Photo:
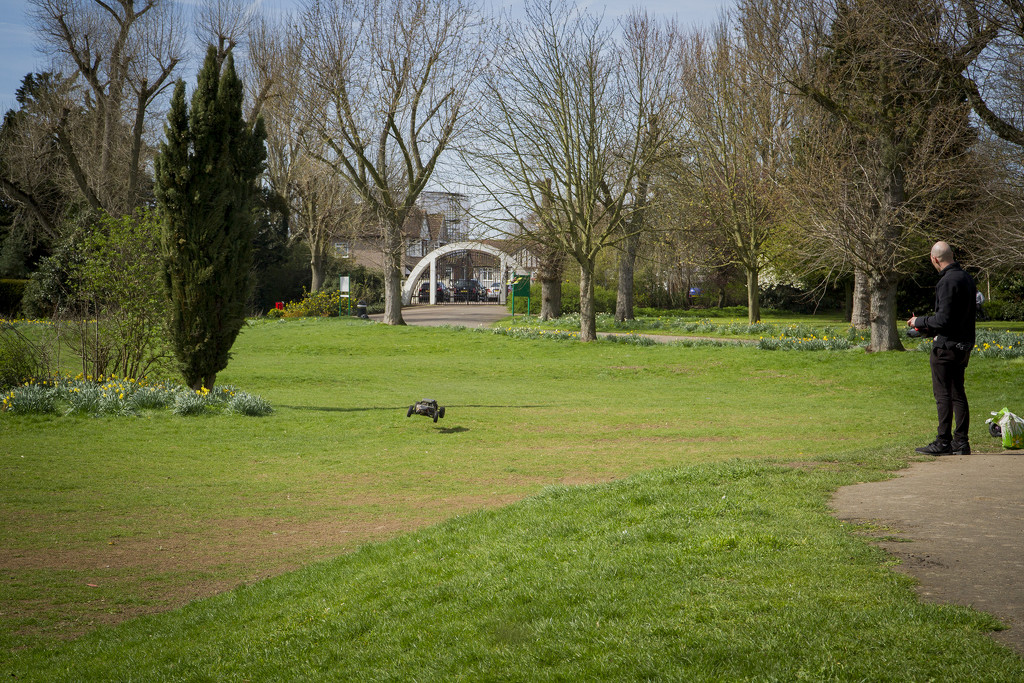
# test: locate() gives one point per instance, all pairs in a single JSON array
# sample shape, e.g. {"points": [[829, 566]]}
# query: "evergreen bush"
{"points": [[206, 174]]}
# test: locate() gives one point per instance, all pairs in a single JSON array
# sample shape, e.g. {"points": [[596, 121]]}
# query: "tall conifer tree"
{"points": [[206, 175]]}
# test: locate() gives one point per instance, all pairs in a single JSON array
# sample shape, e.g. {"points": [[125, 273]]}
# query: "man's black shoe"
{"points": [[935, 448], [960, 448]]}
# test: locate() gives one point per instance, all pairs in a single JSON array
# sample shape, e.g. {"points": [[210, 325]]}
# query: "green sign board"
{"points": [[520, 288], [521, 285]]}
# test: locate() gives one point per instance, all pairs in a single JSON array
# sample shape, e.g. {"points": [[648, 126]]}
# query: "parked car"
{"points": [[443, 293], [494, 291], [468, 290]]}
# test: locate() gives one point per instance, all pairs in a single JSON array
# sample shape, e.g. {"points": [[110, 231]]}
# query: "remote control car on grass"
{"points": [[427, 407]]}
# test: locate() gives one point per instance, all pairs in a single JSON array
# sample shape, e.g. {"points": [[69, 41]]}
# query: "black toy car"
{"points": [[428, 407]]}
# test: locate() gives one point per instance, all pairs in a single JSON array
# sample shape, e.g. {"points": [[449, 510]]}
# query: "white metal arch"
{"points": [[431, 260]]}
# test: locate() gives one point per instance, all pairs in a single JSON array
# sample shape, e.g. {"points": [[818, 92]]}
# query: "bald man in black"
{"points": [[953, 328]]}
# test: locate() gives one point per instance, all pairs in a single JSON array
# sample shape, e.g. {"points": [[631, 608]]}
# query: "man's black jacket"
{"points": [[953, 322]]}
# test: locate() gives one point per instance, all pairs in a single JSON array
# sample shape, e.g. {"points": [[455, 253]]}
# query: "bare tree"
{"points": [[977, 44], [320, 206], [225, 24], [979, 48], [995, 239], [739, 121], [125, 53], [273, 65], [895, 164], [388, 87], [650, 52], [570, 103], [159, 48]]}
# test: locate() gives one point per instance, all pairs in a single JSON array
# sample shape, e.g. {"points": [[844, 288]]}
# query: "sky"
{"points": [[18, 54]]}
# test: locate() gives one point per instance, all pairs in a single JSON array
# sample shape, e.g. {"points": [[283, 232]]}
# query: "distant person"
{"points": [[953, 329], [978, 301]]}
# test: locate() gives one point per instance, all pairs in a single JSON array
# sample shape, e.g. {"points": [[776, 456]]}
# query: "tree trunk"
{"points": [[133, 167], [860, 316], [848, 300], [394, 244], [627, 266], [753, 297], [316, 267], [884, 336], [588, 320], [552, 264], [550, 299]]}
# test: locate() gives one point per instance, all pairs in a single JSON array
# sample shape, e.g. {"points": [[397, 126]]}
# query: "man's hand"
{"points": [[912, 322]]}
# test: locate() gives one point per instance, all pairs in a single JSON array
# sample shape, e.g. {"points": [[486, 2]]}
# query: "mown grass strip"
{"points": [[730, 571]]}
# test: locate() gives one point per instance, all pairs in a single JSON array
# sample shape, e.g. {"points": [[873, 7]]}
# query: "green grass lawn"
{"points": [[659, 535]]}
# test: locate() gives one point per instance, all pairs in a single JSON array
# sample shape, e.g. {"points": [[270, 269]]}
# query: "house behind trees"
{"points": [[438, 219]]}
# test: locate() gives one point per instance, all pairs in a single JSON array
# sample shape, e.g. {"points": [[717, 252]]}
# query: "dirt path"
{"points": [[964, 519]]}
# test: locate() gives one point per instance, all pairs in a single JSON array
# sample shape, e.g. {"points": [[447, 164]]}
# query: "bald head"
{"points": [[942, 255]]}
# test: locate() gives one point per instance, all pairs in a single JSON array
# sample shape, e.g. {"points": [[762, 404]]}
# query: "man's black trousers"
{"points": [[948, 366]]}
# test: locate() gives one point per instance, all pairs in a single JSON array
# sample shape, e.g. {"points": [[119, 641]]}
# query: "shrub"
{"points": [[104, 290], [367, 285], [120, 281], [1004, 310], [20, 359], [325, 302], [788, 298], [11, 293], [51, 284]]}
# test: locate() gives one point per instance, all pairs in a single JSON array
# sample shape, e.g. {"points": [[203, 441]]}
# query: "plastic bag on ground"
{"points": [[1011, 426]]}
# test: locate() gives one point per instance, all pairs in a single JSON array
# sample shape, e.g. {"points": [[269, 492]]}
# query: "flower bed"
{"points": [[989, 344], [125, 396]]}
